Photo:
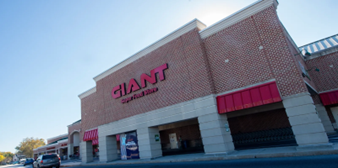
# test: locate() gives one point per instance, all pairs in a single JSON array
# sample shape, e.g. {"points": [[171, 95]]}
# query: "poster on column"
{"points": [[123, 146], [132, 146]]}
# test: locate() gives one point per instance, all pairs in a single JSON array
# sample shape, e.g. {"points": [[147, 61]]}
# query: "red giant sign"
{"points": [[120, 90], [50, 148]]}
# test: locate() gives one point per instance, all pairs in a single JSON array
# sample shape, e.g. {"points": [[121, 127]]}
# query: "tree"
{"points": [[28, 144], [2, 158], [8, 156]]}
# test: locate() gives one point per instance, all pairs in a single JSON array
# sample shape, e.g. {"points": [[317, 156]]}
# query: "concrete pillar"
{"points": [[70, 150], [306, 125], [334, 111], [148, 146], [215, 132], [108, 148], [86, 151], [322, 113]]}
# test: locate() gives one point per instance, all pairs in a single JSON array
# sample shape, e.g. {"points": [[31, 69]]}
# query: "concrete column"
{"points": [[86, 151], [215, 132], [148, 146], [322, 113], [306, 125], [108, 148], [70, 150]]}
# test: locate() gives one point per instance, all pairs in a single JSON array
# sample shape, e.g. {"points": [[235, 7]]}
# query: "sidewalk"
{"points": [[289, 151], [69, 163]]}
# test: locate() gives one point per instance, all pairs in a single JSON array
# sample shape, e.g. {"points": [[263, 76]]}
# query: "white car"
{"points": [[22, 161]]}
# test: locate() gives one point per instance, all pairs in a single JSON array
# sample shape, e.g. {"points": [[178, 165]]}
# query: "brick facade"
{"points": [[187, 78], [248, 64], [253, 50], [326, 79], [197, 68], [71, 129]]}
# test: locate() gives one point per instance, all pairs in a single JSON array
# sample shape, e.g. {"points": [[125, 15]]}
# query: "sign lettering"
{"points": [[121, 90]]}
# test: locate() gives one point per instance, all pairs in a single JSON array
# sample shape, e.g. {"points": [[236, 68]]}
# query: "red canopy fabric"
{"points": [[255, 96], [95, 142], [329, 98], [90, 135]]}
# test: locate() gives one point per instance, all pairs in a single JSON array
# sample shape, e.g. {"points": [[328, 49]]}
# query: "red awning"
{"points": [[255, 96], [90, 135], [95, 142], [329, 98]]}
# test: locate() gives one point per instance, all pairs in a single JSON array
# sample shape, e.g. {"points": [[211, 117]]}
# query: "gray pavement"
{"points": [[289, 151], [327, 161]]}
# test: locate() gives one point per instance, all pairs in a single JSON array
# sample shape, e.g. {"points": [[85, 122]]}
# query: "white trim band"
{"points": [[59, 136], [87, 93], [177, 33], [237, 17]]}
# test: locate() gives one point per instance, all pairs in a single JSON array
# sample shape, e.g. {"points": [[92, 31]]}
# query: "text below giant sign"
{"points": [[135, 96], [120, 90]]}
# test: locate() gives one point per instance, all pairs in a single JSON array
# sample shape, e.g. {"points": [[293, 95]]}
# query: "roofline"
{"points": [[320, 53], [317, 41], [204, 32], [87, 93], [51, 145], [74, 123], [59, 136], [238, 16], [175, 34]]}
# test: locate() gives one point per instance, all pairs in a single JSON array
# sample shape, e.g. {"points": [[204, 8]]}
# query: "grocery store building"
{"points": [[241, 83], [57, 144]]}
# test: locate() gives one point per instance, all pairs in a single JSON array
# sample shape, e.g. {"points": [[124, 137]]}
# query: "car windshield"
{"points": [[49, 156]]}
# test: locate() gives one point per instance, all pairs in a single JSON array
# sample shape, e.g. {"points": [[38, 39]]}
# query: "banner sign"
{"points": [[123, 138], [129, 146]]}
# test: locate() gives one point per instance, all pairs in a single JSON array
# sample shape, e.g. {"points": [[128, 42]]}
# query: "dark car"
{"points": [[28, 161], [47, 160]]}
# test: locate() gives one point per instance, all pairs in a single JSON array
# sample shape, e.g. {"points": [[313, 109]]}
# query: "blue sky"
{"points": [[51, 50]]}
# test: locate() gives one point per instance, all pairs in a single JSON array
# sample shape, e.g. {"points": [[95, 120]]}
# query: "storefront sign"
{"points": [[50, 148], [63, 144], [135, 96], [120, 90]]}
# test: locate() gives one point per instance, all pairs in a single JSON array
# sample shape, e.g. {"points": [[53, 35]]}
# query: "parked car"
{"points": [[28, 161], [22, 161], [47, 160], [16, 162]]}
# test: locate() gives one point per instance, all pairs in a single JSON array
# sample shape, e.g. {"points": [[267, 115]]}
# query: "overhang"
{"points": [[251, 97], [329, 98]]}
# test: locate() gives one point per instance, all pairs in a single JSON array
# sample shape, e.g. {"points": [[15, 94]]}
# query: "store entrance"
{"points": [[63, 153], [96, 154], [76, 152], [261, 130], [181, 138]]}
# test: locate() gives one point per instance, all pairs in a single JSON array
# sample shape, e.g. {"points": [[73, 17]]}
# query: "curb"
{"points": [[214, 158]]}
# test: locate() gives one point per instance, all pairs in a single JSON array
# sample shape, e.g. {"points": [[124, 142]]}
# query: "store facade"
{"points": [[57, 145], [241, 83], [322, 65], [74, 130]]}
